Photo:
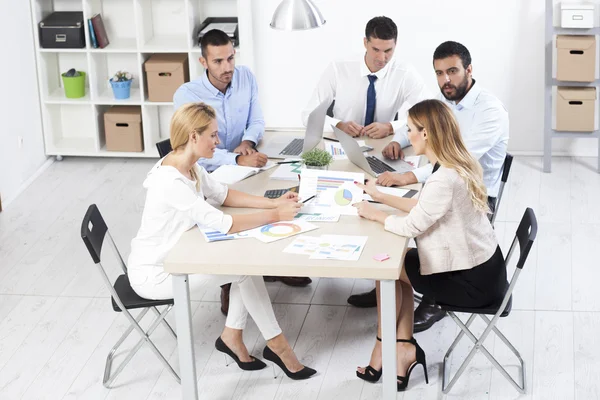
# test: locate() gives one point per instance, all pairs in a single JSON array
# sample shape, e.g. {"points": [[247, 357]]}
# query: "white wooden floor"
{"points": [[57, 325]]}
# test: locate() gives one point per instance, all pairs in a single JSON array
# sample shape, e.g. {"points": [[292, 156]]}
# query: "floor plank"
{"points": [[553, 355]]}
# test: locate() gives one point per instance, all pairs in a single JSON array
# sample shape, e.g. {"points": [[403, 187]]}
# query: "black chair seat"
{"points": [[130, 298], [490, 310]]}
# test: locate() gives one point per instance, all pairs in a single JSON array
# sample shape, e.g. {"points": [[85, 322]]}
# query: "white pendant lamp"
{"points": [[297, 15]]}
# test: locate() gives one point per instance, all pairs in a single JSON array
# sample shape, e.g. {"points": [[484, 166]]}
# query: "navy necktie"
{"points": [[370, 114]]}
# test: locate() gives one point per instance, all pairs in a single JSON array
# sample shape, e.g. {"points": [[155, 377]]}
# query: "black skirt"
{"points": [[477, 287]]}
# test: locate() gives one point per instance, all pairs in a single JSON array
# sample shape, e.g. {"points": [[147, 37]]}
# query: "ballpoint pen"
{"points": [[286, 162], [310, 198]]}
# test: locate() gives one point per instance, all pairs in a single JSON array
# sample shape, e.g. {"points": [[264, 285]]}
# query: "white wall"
{"points": [[20, 115], [505, 38]]}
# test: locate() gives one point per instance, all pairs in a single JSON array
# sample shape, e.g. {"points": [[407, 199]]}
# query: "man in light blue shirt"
{"points": [[233, 93], [483, 123], [481, 116]]}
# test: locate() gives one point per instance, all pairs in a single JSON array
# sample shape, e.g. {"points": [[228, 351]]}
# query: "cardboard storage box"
{"points": [[123, 129], [576, 58], [575, 109], [164, 74], [576, 15]]}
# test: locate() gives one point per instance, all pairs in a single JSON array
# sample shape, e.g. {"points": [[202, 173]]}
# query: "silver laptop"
{"points": [[370, 164], [282, 147]]}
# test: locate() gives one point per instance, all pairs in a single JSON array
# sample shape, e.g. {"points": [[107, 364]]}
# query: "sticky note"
{"points": [[381, 257]]}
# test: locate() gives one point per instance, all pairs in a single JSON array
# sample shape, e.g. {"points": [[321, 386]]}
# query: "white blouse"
{"points": [[173, 206]]}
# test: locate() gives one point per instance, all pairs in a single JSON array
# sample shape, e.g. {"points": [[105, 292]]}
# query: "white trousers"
{"points": [[248, 295]]}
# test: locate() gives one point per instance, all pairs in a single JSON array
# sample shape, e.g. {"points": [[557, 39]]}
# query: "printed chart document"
{"points": [[336, 150], [329, 247], [317, 217], [279, 230], [334, 191], [211, 235], [230, 174]]}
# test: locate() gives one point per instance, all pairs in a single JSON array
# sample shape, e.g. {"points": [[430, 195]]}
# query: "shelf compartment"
{"points": [[40, 9], [104, 66], [156, 120], [200, 10], [162, 26], [52, 65], [71, 129], [119, 22]]}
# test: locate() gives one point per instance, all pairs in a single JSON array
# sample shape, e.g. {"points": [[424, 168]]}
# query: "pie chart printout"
{"points": [[280, 230], [343, 197]]}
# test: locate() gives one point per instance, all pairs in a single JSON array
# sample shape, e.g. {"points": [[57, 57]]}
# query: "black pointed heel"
{"points": [[403, 380], [304, 373], [371, 374], [246, 366]]}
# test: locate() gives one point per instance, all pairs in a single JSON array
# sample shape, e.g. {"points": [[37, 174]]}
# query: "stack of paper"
{"points": [[329, 247], [230, 174]]}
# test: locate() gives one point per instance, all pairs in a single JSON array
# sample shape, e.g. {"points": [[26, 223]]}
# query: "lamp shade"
{"points": [[296, 15]]}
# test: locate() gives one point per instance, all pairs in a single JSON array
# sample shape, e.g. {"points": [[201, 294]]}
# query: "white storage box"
{"points": [[576, 15]]}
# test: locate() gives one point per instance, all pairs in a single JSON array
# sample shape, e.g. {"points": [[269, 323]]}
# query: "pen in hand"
{"points": [[310, 198]]}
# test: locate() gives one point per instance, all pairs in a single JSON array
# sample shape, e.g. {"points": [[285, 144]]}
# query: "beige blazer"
{"points": [[452, 234]]}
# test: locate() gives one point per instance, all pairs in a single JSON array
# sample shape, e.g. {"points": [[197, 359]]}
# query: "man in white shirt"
{"points": [[370, 90], [483, 123]]}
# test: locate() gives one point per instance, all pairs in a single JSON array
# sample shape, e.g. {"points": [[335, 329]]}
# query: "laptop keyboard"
{"points": [[294, 148], [378, 166]]}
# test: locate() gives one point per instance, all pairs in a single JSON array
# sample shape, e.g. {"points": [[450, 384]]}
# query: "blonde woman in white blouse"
{"points": [[458, 260], [178, 190]]}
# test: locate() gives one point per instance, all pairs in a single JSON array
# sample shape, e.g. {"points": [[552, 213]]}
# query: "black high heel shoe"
{"points": [[403, 380], [371, 374], [246, 366], [304, 373]]}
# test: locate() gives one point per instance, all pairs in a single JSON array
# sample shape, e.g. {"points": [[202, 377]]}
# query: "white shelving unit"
{"points": [[136, 29], [551, 83]]}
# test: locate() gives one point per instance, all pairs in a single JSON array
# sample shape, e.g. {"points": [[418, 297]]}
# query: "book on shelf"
{"points": [[92, 34], [100, 31]]}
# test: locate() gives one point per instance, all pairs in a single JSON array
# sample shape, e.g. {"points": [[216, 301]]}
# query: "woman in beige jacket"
{"points": [[458, 260]]}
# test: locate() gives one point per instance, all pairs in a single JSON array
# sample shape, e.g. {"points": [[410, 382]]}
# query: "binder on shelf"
{"points": [[100, 31], [229, 25]]}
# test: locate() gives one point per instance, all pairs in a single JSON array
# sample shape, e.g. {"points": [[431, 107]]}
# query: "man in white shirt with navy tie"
{"points": [[369, 90], [483, 122]]}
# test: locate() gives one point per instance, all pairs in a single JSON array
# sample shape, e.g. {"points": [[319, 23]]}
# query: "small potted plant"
{"points": [[121, 84], [317, 159]]}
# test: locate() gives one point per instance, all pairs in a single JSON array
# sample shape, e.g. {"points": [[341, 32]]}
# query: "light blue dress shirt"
{"points": [[483, 123], [239, 115]]}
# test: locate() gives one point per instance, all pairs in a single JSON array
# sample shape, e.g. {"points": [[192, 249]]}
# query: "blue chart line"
{"points": [[214, 236]]}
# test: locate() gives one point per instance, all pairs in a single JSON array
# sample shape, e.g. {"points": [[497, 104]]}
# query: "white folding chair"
{"points": [[525, 235]]}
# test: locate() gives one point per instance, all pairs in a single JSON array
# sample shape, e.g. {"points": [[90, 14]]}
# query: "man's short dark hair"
{"points": [[449, 49], [214, 37], [381, 28]]}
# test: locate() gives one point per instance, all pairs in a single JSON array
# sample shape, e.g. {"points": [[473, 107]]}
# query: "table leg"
{"points": [[388, 337], [185, 339]]}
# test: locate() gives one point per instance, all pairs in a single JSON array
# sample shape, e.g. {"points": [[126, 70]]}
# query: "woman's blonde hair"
{"points": [[445, 141], [191, 117]]}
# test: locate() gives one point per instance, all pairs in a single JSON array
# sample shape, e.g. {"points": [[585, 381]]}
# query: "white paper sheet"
{"points": [[230, 174]]}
